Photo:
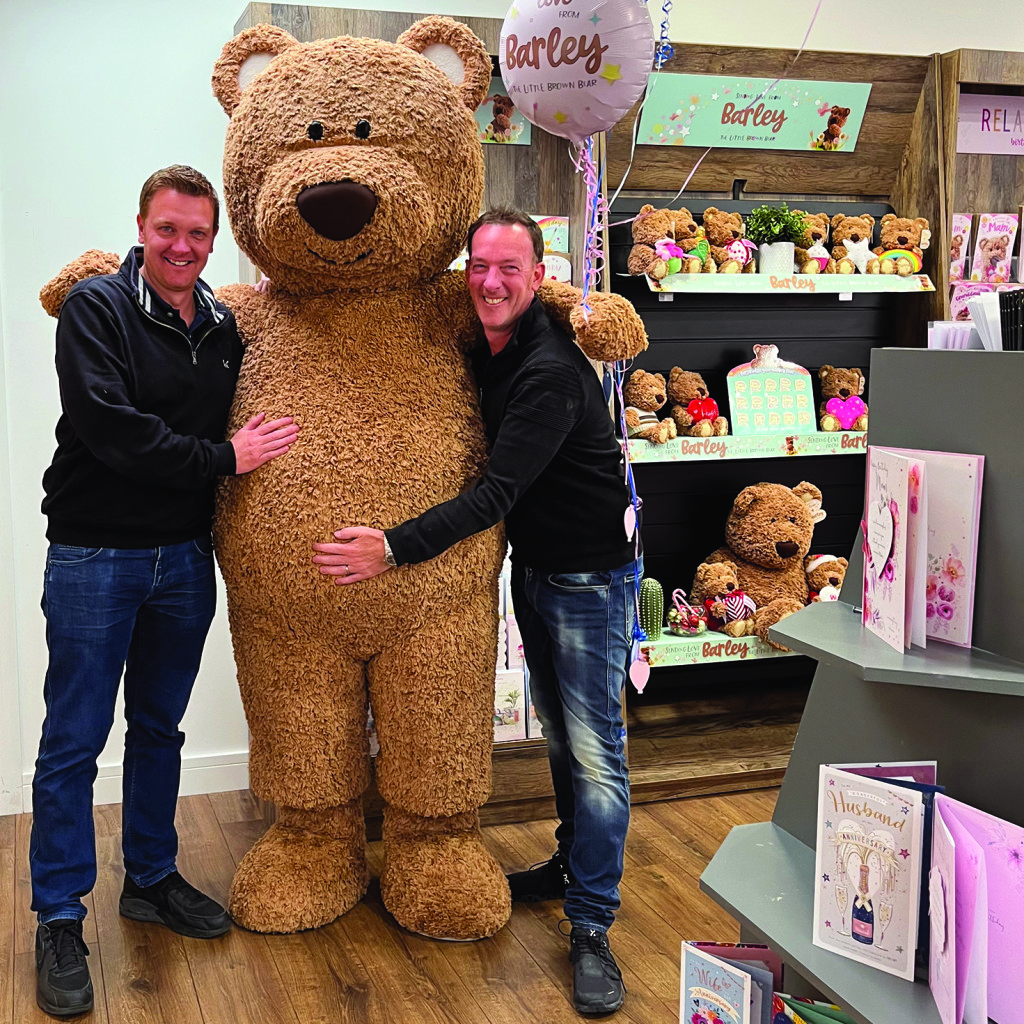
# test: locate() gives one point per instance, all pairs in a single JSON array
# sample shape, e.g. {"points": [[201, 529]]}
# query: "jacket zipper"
{"points": [[193, 348]]}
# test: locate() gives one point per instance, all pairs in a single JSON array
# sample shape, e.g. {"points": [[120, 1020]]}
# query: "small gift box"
{"points": [[683, 618]]}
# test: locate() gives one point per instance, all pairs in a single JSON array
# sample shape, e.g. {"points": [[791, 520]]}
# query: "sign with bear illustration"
{"points": [[753, 113], [769, 395], [497, 119]]}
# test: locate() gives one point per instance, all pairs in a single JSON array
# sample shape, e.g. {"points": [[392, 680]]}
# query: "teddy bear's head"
{"points": [[771, 525], [722, 228], [825, 571], [684, 386], [651, 225], [502, 106], [852, 229], [837, 382], [816, 227], [993, 249], [714, 579], [352, 164], [902, 232], [645, 391]]}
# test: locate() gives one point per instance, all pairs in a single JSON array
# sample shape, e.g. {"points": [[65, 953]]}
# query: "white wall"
{"points": [[93, 97]]}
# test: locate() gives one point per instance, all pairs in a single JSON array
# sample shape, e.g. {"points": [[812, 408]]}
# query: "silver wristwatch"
{"points": [[389, 555]]}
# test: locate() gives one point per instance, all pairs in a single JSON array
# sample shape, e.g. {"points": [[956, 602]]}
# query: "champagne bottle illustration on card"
{"points": [[863, 915]]}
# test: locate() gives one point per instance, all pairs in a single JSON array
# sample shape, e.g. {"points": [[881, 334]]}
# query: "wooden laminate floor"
{"points": [[364, 969]]}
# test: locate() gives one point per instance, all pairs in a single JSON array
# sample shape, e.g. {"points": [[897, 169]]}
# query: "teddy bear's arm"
{"points": [[90, 264]]}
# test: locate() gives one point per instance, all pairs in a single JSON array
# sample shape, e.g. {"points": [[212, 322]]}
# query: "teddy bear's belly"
{"points": [[366, 456]]}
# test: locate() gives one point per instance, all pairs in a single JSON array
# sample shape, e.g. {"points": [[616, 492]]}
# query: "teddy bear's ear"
{"points": [[844, 563], [811, 497], [711, 211], [745, 499], [887, 219], [243, 58], [825, 371], [871, 220], [456, 51], [837, 220], [860, 377]]}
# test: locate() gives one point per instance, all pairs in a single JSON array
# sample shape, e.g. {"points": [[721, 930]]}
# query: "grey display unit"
{"points": [[963, 708]]}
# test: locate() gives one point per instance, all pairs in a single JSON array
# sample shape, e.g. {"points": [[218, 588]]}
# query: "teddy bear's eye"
{"points": [[362, 128], [792, 519], [773, 519], [315, 131]]}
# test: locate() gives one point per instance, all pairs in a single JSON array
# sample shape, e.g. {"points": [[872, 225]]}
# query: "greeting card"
{"points": [[867, 870], [885, 546], [960, 245], [952, 513], [977, 894], [712, 991], [740, 953], [801, 1010], [994, 249]]}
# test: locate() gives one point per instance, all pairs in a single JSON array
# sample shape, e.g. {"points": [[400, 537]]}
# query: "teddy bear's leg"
{"points": [[309, 754], [433, 701], [770, 614], [720, 426]]}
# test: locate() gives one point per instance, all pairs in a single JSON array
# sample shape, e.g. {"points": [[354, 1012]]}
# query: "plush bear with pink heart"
{"points": [[841, 407]]}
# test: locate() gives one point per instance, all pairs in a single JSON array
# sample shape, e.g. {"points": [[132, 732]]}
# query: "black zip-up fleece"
{"points": [[555, 471], [140, 441]]}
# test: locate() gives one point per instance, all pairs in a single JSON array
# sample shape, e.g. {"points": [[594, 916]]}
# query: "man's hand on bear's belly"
{"points": [[357, 555]]}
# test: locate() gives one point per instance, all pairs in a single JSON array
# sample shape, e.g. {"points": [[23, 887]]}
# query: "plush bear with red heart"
{"points": [[695, 412]]}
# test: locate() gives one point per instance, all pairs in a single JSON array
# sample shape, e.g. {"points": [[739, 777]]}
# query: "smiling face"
{"points": [[177, 235], [503, 275]]}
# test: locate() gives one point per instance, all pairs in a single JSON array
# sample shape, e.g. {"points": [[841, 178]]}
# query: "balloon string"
{"points": [[636, 123], [596, 219]]}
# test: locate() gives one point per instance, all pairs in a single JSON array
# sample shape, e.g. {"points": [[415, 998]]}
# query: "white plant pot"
{"points": [[776, 258]]}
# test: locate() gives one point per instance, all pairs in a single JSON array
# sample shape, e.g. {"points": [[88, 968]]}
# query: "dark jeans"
{"points": [[145, 613], [577, 632]]}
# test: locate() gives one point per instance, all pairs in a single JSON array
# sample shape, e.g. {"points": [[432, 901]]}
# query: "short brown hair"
{"points": [[509, 215], [186, 180]]}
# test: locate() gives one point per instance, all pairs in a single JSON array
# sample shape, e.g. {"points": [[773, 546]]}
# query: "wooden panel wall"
{"points": [[869, 171], [537, 178]]}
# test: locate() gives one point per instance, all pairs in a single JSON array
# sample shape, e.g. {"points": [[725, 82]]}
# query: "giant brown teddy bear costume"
{"points": [[351, 174]]}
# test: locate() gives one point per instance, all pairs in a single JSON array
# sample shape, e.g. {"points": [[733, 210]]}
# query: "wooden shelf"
{"points": [[763, 876], [749, 446], [832, 633], [706, 649], [795, 284]]}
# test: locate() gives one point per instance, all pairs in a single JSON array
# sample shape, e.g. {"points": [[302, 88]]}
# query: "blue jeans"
{"points": [[144, 612], [577, 633]]}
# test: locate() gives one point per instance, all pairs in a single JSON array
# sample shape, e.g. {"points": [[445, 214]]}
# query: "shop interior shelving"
{"points": [[963, 708], [748, 446]]}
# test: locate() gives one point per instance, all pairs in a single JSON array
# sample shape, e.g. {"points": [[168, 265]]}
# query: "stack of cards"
{"points": [[1011, 319]]}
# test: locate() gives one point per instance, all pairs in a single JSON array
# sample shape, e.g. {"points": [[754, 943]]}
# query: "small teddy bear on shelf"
{"points": [[825, 575], [666, 242], [851, 244], [729, 609], [902, 243], [811, 256], [695, 412], [500, 128], [645, 394], [841, 406], [730, 250]]}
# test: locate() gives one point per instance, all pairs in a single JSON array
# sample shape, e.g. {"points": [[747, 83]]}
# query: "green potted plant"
{"points": [[775, 230]]}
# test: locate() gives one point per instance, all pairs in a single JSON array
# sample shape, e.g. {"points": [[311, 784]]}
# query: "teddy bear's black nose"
{"points": [[902, 239], [337, 210], [787, 548]]}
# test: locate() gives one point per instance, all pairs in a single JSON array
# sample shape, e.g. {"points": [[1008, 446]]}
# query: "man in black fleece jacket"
{"points": [[147, 361], [555, 475]]}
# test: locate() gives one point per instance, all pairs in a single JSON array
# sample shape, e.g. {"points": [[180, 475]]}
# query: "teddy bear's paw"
{"points": [[729, 267], [611, 330], [829, 423], [770, 615], [720, 427], [860, 423], [703, 428], [845, 266], [306, 871], [438, 878]]}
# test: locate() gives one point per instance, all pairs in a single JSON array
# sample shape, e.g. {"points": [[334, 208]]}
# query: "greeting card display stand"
{"points": [[868, 702]]}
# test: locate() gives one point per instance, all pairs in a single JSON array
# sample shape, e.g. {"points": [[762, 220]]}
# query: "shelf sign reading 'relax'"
{"points": [[752, 113], [990, 124]]}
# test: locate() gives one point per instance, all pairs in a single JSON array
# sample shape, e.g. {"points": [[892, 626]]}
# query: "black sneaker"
{"points": [[63, 986], [596, 979], [175, 903], [547, 881]]}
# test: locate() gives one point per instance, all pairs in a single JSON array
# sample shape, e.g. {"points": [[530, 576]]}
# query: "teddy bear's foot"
{"points": [[710, 266], [845, 266], [829, 423], [692, 265], [438, 878], [730, 267], [770, 614], [810, 267], [873, 267], [308, 869], [887, 267], [702, 428]]}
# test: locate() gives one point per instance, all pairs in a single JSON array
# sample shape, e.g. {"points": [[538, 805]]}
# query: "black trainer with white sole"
{"points": [[546, 881]]}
